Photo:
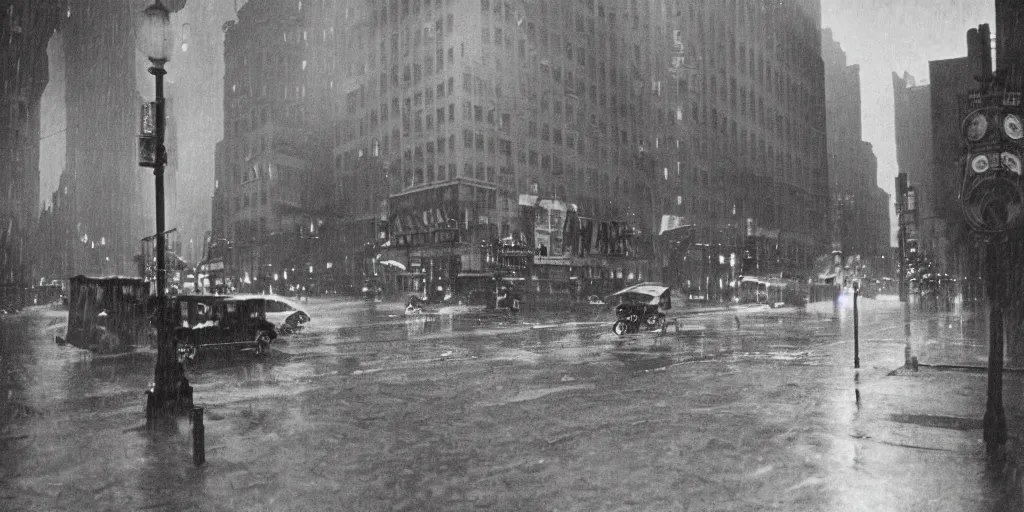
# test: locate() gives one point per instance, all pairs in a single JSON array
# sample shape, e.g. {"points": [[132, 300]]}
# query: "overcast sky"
{"points": [[884, 36]]}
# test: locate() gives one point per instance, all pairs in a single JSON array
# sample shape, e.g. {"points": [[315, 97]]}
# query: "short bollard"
{"points": [[198, 437]]}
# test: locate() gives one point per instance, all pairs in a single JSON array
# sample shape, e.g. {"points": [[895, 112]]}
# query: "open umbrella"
{"points": [[393, 263]]}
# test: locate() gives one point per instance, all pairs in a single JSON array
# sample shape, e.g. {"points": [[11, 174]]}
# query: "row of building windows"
{"points": [[555, 135], [398, 12]]}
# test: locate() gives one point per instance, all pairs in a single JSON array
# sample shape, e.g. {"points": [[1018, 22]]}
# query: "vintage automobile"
{"points": [[491, 290], [107, 314], [213, 321], [372, 291], [640, 308], [287, 316]]}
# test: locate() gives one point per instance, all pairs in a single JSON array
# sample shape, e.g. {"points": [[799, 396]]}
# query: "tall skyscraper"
{"points": [[110, 196], [759, 120], [26, 28], [853, 168], [941, 218], [913, 115], [197, 71], [476, 102], [511, 120], [266, 165]]}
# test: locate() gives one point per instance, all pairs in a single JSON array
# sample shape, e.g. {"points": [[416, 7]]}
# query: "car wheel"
{"points": [[263, 344], [619, 327]]}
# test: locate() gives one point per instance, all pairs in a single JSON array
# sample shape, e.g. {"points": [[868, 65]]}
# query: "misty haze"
{"points": [[512, 255]]}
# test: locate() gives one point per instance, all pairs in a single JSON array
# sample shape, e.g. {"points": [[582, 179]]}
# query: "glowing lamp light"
{"points": [[155, 33], [186, 34], [980, 164]]}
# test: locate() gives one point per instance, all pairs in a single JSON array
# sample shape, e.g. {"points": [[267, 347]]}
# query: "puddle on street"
{"points": [[946, 422]]}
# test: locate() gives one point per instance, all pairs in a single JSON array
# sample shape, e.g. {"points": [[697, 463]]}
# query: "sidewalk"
{"points": [[939, 407]]}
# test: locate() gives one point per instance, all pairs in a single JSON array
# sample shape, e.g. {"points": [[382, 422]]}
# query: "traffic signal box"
{"points": [[149, 143], [993, 132]]}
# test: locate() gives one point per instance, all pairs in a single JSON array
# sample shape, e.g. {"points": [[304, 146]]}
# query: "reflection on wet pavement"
{"points": [[372, 407]]}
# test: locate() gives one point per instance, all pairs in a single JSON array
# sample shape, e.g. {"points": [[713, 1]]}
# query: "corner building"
{"points": [[550, 138], [266, 166], [472, 108], [745, 124]]}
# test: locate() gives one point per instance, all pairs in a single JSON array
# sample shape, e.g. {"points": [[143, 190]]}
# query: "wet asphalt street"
{"points": [[369, 409]]}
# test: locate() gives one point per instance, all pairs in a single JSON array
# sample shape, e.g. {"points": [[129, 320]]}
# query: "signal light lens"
{"points": [[980, 164], [977, 126], [1011, 162], [993, 205], [1013, 127]]}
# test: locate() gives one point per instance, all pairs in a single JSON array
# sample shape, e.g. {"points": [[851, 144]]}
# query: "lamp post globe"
{"points": [[154, 37]]}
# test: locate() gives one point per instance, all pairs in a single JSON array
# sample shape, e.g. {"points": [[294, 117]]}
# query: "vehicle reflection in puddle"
{"points": [[423, 324], [644, 360], [648, 351]]}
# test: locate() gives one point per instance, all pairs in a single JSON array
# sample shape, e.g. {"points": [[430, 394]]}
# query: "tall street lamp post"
{"points": [[171, 393]]}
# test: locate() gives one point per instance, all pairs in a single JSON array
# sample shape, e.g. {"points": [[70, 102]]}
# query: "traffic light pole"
{"points": [[992, 198], [995, 418]]}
